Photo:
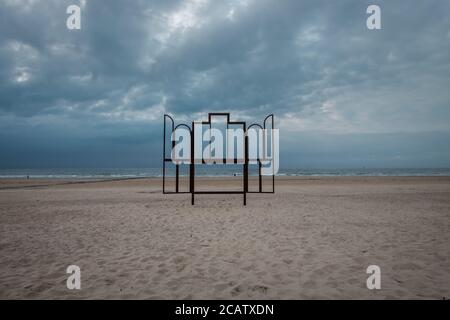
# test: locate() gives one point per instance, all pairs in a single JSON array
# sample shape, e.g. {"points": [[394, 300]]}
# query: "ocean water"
{"points": [[213, 171]]}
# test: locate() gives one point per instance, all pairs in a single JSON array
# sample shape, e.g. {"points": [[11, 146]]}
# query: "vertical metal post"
{"points": [[273, 154], [177, 180], [245, 165], [176, 166], [259, 175], [192, 166], [164, 155]]}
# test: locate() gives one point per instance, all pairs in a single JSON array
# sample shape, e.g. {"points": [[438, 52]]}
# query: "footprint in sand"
{"points": [[261, 289]]}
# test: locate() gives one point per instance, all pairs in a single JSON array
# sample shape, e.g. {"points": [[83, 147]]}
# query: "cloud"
{"points": [[314, 64]]}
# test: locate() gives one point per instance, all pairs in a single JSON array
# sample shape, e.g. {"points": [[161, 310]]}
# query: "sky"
{"points": [[342, 95]]}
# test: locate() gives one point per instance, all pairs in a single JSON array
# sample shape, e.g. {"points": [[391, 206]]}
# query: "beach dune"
{"points": [[313, 239]]}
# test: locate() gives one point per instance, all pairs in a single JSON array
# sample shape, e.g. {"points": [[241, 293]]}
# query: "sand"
{"points": [[312, 239]]}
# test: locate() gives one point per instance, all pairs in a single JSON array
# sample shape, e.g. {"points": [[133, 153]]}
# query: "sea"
{"points": [[215, 171]]}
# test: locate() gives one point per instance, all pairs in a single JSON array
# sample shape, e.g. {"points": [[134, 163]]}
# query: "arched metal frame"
{"points": [[245, 164]]}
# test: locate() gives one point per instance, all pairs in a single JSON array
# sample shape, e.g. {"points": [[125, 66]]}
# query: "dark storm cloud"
{"points": [[312, 63]]}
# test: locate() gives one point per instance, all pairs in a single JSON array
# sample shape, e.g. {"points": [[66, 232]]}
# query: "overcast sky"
{"points": [[342, 95]]}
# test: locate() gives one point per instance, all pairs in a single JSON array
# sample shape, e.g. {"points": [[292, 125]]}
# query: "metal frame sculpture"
{"points": [[245, 163]]}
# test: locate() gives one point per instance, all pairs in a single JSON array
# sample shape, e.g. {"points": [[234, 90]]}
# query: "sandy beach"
{"points": [[312, 239]]}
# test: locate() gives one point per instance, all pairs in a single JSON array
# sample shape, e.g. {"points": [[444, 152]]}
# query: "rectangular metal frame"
{"points": [[245, 164]]}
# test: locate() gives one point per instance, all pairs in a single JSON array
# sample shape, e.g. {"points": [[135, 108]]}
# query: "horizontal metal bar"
{"points": [[217, 161], [218, 192], [229, 122], [174, 192], [260, 192], [219, 114]]}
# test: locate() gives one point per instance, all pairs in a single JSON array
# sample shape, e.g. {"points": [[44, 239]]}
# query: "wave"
{"points": [[128, 173]]}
